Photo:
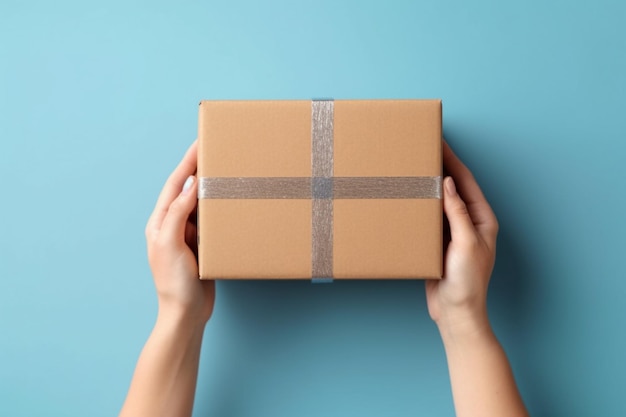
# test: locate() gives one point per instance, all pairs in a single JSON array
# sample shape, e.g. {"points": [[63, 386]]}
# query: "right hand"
{"points": [[458, 302]]}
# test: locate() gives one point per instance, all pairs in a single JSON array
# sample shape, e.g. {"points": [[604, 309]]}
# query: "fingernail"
{"points": [[188, 184], [450, 187]]}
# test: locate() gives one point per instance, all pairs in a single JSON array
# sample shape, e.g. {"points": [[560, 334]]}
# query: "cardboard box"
{"points": [[322, 189]]}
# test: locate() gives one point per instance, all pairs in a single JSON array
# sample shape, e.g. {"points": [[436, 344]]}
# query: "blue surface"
{"points": [[99, 101]]}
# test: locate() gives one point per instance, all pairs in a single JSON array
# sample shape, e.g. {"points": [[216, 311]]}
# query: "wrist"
{"points": [[179, 317], [462, 326]]}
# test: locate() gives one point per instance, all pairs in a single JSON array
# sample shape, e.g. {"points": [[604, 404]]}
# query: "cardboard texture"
{"points": [[247, 238]]}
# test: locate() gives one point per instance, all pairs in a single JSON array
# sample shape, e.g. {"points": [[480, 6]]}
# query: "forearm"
{"points": [[164, 381], [480, 374]]}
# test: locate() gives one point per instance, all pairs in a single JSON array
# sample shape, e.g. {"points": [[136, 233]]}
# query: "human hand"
{"points": [[172, 247], [458, 302]]}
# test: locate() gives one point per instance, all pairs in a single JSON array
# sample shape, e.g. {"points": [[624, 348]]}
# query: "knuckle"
{"points": [[177, 206], [493, 226], [461, 208], [472, 242], [156, 246], [494, 221], [148, 228]]}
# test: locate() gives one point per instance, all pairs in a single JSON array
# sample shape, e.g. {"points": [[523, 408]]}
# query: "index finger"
{"points": [[479, 209], [173, 186]]}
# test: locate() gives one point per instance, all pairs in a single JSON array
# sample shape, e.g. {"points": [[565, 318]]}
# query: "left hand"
{"points": [[172, 247]]}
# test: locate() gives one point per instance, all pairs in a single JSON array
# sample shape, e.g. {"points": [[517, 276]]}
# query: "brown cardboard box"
{"points": [[320, 189]]}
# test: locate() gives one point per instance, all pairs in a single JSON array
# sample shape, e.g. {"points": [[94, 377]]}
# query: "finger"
{"points": [[462, 229], [477, 206], [464, 180], [191, 237], [175, 221], [173, 185]]}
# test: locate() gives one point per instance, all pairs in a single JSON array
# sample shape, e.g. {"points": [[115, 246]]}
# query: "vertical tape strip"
{"points": [[322, 131]]}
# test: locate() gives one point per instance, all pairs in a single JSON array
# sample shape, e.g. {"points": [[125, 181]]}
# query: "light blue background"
{"points": [[98, 102]]}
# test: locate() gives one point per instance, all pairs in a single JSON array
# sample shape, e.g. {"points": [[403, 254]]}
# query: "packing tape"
{"points": [[304, 188], [322, 170]]}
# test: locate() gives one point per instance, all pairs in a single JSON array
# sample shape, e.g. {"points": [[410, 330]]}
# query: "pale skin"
{"points": [[165, 377]]}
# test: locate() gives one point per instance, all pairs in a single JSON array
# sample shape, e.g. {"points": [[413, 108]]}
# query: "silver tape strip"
{"points": [[304, 188], [254, 187], [321, 238], [386, 187], [322, 135], [322, 132]]}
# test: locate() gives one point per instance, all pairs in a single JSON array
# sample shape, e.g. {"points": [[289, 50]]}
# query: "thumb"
{"points": [[461, 225], [175, 221]]}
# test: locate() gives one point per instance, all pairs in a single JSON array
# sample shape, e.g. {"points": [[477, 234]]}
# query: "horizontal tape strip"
{"points": [[386, 187], [255, 187], [326, 188]]}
